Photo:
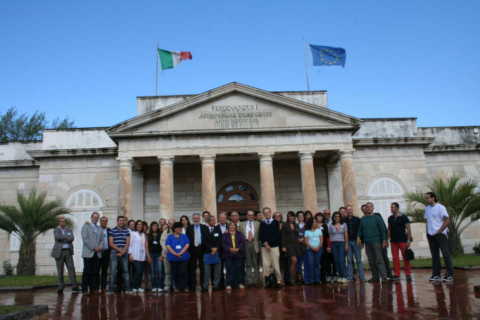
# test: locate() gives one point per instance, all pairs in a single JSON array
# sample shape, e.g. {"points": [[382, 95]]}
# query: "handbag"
{"points": [[209, 258], [409, 254]]}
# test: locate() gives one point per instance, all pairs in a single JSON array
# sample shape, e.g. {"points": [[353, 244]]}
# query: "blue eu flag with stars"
{"points": [[328, 56]]}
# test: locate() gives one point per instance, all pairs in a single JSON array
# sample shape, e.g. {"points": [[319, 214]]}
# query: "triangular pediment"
{"points": [[234, 108]]}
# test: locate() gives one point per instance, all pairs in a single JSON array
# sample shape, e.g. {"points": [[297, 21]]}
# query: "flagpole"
{"points": [[307, 80], [156, 70]]}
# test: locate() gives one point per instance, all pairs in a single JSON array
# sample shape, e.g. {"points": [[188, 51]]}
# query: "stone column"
{"points": [[209, 187], [335, 187], [137, 193], [309, 188], [166, 187], [348, 180], [125, 177], [267, 182]]}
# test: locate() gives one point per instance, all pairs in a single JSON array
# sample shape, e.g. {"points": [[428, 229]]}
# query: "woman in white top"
{"points": [[314, 243], [138, 254]]}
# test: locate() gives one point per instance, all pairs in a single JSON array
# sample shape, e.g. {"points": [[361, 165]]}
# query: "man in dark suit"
{"points": [[197, 235], [63, 254], [213, 263]]}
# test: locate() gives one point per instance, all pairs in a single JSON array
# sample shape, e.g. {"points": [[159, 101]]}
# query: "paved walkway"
{"points": [[417, 300]]}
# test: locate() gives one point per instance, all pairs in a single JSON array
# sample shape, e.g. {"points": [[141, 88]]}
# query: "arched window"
{"points": [[81, 203], [84, 199], [237, 196], [384, 191]]}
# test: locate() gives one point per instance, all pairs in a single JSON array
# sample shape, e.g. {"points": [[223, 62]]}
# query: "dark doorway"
{"points": [[237, 196]]}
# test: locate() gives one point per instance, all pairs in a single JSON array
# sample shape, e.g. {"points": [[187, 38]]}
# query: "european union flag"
{"points": [[328, 56]]}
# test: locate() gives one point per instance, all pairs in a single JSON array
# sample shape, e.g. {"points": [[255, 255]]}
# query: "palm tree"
{"points": [[462, 201], [32, 216]]}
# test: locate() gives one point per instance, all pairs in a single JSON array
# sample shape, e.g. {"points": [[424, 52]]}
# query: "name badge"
{"points": [[215, 234], [155, 242], [178, 247]]}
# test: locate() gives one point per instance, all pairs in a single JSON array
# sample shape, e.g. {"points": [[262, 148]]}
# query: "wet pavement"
{"points": [[416, 300]]}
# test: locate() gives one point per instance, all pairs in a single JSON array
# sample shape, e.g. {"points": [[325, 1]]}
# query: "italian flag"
{"points": [[170, 59]]}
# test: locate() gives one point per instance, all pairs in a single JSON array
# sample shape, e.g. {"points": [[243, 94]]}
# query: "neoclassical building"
{"points": [[234, 147]]}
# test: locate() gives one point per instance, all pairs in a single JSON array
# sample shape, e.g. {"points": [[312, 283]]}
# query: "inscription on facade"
{"points": [[235, 116]]}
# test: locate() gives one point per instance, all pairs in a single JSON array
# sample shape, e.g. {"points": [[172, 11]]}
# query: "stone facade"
{"points": [[286, 150]]}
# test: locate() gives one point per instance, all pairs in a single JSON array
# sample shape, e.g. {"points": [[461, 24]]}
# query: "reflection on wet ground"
{"points": [[416, 300]]}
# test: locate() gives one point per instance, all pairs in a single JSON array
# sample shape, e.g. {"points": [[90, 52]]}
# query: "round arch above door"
{"points": [[237, 196]]}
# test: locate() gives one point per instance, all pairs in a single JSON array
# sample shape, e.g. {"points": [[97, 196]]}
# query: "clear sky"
{"points": [[88, 60]]}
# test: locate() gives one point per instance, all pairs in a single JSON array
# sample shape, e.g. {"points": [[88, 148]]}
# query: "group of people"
{"points": [[264, 250]]}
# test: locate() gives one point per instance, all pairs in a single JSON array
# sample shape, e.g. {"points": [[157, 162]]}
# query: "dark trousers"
{"points": [[66, 259], [439, 243], [235, 272], [375, 260], [91, 273], [179, 274], [104, 264], [327, 266], [138, 268], [387, 262], [196, 259]]}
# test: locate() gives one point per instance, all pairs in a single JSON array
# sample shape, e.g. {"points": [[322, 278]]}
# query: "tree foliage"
{"points": [[462, 200], [22, 127], [32, 216]]}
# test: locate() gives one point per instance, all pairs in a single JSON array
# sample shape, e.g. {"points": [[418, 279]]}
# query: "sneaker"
{"points": [[130, 291], [435, 278], [241, 286], [408, 278], [395, 278], [159, 290], [228, 288], [447, 279], [134, 291], [141, 290]]}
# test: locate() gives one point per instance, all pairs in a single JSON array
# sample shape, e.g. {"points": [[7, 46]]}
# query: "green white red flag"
{"points": [[170, 59]]}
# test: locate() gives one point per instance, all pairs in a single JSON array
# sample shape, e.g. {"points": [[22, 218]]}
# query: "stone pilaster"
{"points": [[335, 187], [209, 188], [348, 180], [125, 179], [267, 182], [137, 193], [166, 187], [309, 188]]}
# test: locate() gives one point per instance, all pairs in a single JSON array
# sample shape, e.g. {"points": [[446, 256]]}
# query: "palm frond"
{"points": [[32, 216]]}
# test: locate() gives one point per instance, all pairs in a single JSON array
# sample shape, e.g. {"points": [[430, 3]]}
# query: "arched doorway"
{"points": [[237, 196]]}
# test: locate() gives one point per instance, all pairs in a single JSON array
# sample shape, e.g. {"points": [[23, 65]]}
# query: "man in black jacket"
{"points": [[354, 254], [213, 263], [197, 235], [269, 235]]}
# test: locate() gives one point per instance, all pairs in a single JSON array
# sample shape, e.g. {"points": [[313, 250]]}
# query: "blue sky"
{"points": [[88, 60]]}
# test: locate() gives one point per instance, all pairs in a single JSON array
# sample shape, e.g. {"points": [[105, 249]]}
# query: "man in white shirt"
{"points": [[222, 221], [250, 230], [437, 234]]}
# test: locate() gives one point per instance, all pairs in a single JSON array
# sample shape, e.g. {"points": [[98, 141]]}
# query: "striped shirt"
{"points": [[119, 236]]}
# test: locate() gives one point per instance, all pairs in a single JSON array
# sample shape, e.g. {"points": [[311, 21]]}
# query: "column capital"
{"points": [[166, 159], [266, 156], [306, 155], [207, 158], [125, 162], [344, 154]]}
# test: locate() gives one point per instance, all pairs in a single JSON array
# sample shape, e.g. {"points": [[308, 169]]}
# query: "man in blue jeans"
{"points": [[119, 240], [355, 253]]}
